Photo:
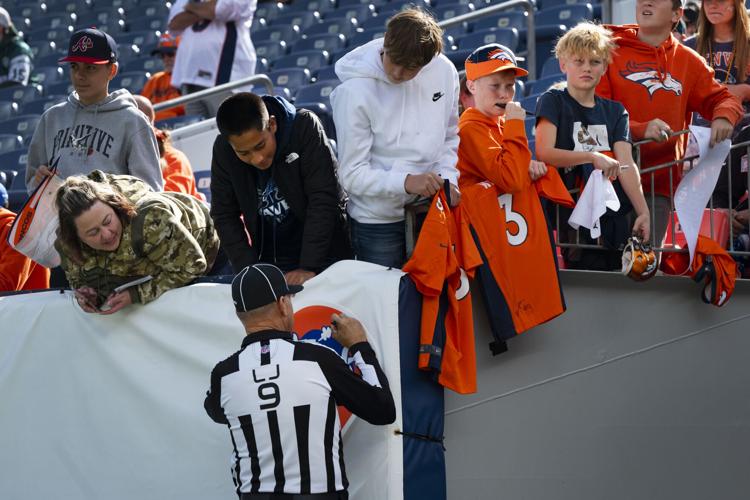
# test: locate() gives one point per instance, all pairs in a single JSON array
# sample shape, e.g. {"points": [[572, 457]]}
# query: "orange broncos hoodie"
{"points": [[17, 272], [668, 82], [486, 144]]}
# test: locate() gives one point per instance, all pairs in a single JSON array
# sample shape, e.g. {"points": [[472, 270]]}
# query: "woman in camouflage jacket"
{"points": [[114, 229]]}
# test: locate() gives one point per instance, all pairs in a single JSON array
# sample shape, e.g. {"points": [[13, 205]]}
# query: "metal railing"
{"points": [[261, 79], [530, 29], [651, 173]]}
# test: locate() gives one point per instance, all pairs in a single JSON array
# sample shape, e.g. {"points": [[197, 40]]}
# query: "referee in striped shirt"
{"points": [[278, 396]]}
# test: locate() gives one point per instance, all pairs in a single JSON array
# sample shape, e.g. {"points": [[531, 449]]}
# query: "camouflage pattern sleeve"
{"points": [[173, 249]]}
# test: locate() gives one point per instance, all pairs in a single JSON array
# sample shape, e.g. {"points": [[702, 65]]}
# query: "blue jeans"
{"points": [[383, 244]]}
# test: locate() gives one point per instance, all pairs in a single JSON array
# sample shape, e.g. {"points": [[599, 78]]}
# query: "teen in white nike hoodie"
{"points": [[386, 131]]}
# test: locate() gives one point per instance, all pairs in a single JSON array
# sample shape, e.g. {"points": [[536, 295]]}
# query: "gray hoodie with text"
{"points": [[111, 135]]}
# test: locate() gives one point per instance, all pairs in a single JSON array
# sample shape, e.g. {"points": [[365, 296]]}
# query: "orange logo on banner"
{"points": [[314, 323]]}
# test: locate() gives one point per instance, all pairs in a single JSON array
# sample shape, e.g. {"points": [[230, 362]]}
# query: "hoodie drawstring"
{"points": [[403, 110]]}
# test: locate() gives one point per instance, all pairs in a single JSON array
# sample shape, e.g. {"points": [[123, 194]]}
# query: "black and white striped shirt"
{"points": [[279, 397]]}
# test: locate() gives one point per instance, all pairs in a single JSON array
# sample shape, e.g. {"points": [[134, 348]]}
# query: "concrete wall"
{"points": [[639, 391]]}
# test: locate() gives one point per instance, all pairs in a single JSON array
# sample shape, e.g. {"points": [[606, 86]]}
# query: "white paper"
{"points": [[598, 195], [695, 189]]}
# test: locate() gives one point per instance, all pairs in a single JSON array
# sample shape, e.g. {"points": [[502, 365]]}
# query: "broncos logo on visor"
{"points": [[647, 76], [501, 55]]}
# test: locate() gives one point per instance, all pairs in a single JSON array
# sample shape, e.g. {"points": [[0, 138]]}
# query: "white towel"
{"points": [[598, 195]]}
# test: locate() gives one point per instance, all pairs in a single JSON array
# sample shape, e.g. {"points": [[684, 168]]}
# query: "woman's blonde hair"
{"points": [[741, 49], [586, 39], [77, 195]]}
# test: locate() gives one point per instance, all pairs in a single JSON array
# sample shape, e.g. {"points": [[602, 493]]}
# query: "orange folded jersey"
{"points": [[443, 259], [518, 276]]}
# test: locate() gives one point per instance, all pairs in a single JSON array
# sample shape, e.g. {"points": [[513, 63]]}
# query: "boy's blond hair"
{"points": [[586, 39]]}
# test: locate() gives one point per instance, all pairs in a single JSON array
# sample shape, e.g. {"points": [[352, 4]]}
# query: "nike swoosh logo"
{"points": [[436, 96]]}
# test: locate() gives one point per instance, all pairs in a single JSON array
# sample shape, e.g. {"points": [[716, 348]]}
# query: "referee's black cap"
{"points": [[259, 285]]}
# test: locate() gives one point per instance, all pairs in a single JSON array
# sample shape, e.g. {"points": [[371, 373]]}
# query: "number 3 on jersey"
{"points": [[506, 203]]}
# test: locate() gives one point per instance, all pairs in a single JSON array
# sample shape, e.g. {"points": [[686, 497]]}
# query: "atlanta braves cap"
{"points": [[489, 59], [91, 46], [259, 285]]}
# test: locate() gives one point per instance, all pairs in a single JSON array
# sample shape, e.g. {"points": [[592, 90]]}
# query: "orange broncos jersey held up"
{"points": [[443, 260]]}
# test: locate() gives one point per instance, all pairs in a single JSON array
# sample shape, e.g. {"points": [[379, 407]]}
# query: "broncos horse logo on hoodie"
{"points": [[649, 77]]}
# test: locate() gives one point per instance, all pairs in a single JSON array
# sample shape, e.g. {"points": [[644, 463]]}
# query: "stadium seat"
{"points": [[317, 92], [60, 36], [529, 103], [139, 38], [100, 16], [323, 112], [451, 10], [39, 106], [47, 75], [302, 19], [21, 94], [284, 92], [291, 78], [61, 88], [51, 21], [261, 65], [269, 11], [330, 43], [10, 142], [334, 26], [543, 84], [147, 23], [458, 57], [14, 160], [503, 20], [322, 6], [550, 67], [345, 4], [503, 36], [27, 9], [530, 126], [375, 23], [360, 12], [567, 15], [326, 73], [519, 90], [148, 64], [8, 109], [363, 37], [128, 5], [45, 49], [271, 50], [312, 60], [128, 52], [50, 60], [132, 80], [68, 5], [178, 122], [22, 125], [7, 176], [203, 183], [156, 10], [288, 34]]}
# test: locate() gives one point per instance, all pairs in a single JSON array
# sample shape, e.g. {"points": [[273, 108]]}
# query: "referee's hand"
{"points": [[347, 331]]}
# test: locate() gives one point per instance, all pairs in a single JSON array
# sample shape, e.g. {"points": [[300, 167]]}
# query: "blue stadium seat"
{"points": [[503, 20], [27, 9], [178, 122], [23, 125], [47, 75], [51, 21], [100, 16], [277, 91], [14, 160], [311, 60], [50, 60], [139, 38], [327, 73], [597, 6], [61, 88], [345, 4], [550, 67], [127, 5], [520, 89], [127, 52], [203, 183], [68, 5], [39, 106], [147, 23], [8, 109], [155, 10], [530, 125], [317, 92], [271, 50], [21, 94], [280, 33], [323, 112], [529, 103], [291, 78], [132, 80], [269, 11], [44, 49], [60, 36], [449, 11], [7, 176], [330, 43], [303, 19], [543, 84], [458, 57], [567, 15], [375, 23], [333, 26], [503, 36], [360, 12], [363, 37], [148, 64], [262, 65], [322, 6], [10, 142]]}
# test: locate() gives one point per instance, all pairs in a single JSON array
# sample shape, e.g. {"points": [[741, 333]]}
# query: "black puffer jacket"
{"points": [[304, 169]]}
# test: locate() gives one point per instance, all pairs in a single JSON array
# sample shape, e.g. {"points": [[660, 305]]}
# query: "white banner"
{"points": [[111, 407]]}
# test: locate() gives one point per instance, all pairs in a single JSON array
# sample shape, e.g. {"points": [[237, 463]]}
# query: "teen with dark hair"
{"points": [[273, 178]]}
